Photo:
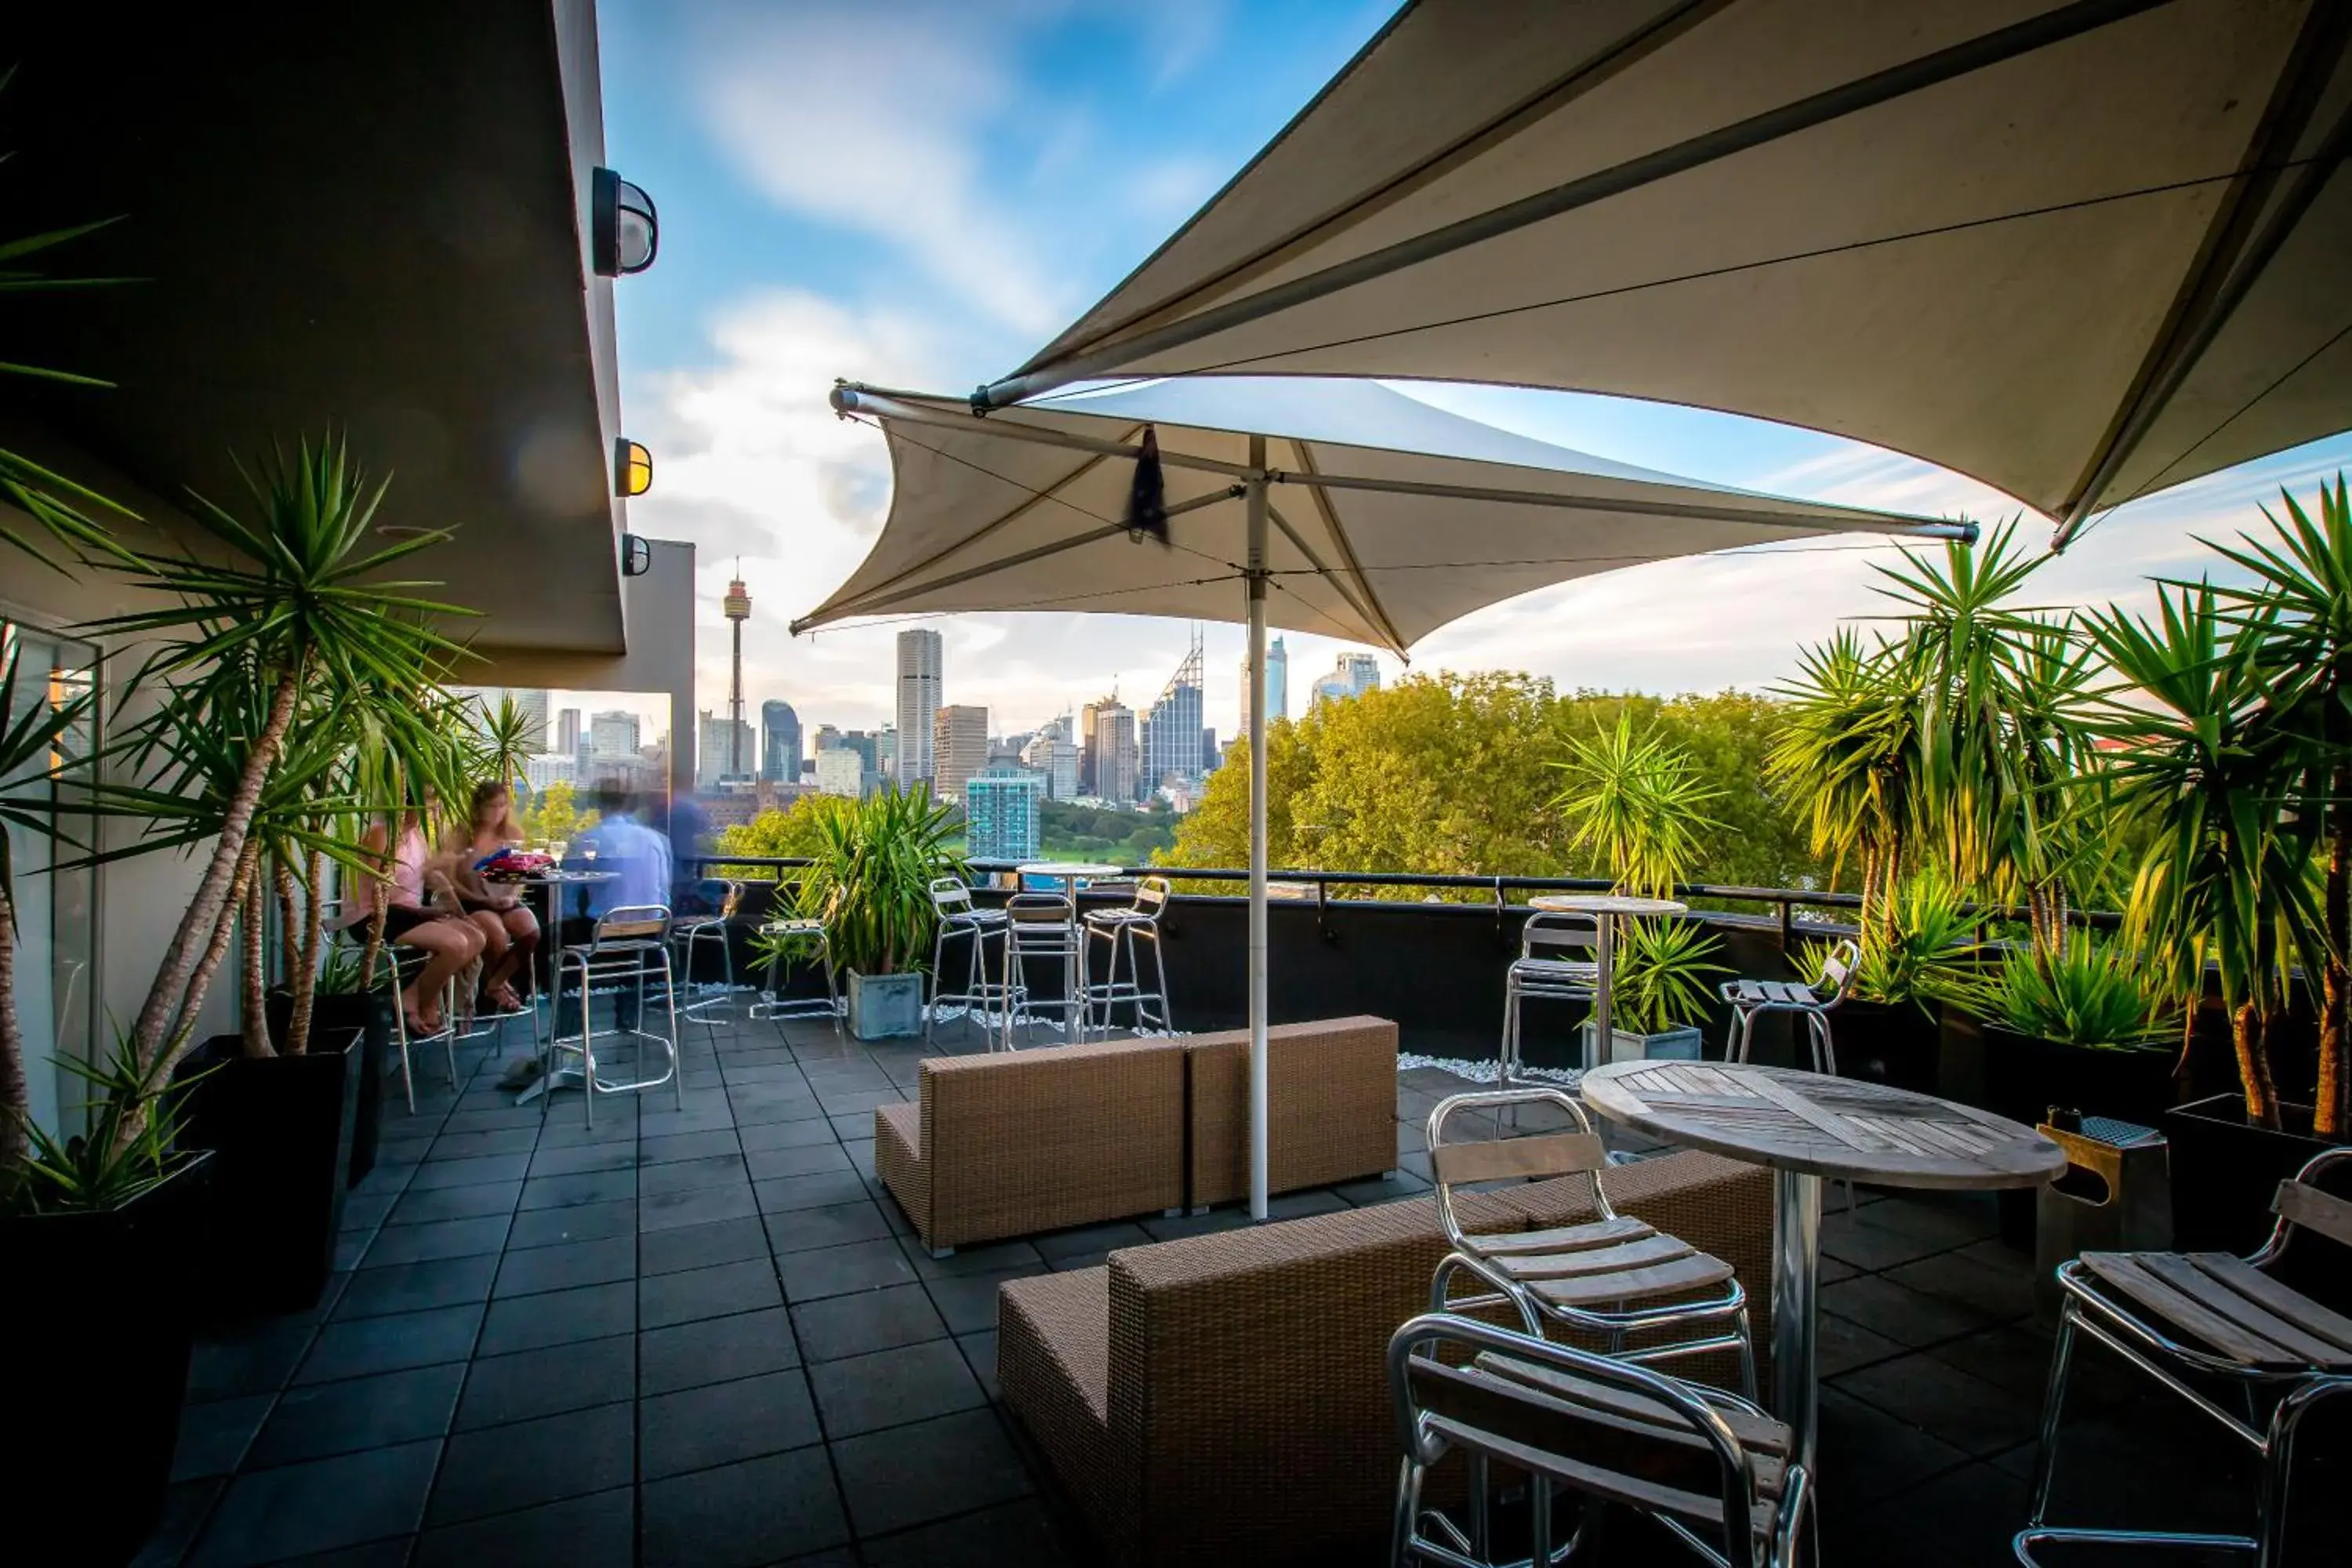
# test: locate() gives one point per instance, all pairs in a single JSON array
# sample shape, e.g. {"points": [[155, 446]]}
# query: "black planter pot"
{"points": [[1883, 1042], [281, 1128], [2225, 1171], [370, 1012], [100, 1364]]}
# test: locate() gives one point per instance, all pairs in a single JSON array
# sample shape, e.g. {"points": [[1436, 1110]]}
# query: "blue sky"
{"points": [[922, 194]]}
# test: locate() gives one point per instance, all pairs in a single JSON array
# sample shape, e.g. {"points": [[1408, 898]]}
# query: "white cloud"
{"points": [[874, 118]]}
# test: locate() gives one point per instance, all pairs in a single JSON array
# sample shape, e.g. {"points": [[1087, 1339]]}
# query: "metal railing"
{"points": [[1784, 902]]}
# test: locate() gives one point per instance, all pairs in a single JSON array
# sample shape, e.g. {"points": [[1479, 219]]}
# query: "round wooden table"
{"points": [[1610, 908], [1806, 1126]]}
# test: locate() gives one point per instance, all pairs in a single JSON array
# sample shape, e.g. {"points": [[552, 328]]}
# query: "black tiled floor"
{"points": [[705, 1337]]}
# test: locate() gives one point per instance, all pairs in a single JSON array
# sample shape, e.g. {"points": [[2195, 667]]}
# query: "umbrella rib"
{"points": [[1964, 58], [1841, 519], [893, 408], [1378, 614], [1318, 569]]}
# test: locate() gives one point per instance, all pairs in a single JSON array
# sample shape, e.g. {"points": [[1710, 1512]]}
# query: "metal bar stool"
{"points": [[1708, 1466], [1044, 926], [1751, 999], [2223, 1322], [396, 967], [1544, 971], [958, 916], [783, 940], [1590, 1278], [1121, 928], [710, 929], [629, 946]]}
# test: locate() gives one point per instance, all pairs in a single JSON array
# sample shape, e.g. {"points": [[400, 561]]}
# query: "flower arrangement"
{"points": [[510, 864]]}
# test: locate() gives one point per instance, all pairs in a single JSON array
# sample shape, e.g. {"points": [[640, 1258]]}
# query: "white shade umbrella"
{"points": [[2081, 249], [1340, 508]]}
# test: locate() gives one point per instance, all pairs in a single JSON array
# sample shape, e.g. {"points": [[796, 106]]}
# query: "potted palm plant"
{"points": [[869, 880], [2223, 883], [1636, 800], [265, 669]]}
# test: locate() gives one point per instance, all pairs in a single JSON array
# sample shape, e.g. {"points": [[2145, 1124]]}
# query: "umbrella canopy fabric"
{"points": [[1388, 518], [2082, 250]]}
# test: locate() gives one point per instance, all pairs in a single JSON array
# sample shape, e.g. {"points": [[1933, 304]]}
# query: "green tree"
{"points": [[554, 815], [797, 832]]}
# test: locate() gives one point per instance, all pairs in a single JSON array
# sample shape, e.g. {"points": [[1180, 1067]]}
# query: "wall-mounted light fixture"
{"points": [[624, 235], [637, 556], [633, 468]]}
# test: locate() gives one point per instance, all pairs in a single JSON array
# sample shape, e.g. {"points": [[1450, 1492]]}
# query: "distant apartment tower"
{"points": [[1107, 765], [1053, 755], [1170, 732], [567, 732], [869, 749], [920, 657], [780, 743], [840, 771], [959, 750], [1277, 687], [551, 768], [613, 734], [1001, 815], [1355, 674], [723, 740]]}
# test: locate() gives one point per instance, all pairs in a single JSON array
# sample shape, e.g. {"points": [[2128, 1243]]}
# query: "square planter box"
{"points": [[1624, 1046], [2225, 1171], [885, 1006]]}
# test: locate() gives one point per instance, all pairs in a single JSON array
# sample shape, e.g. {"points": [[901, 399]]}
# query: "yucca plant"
{"points": [[1636, 800], [30, 738], [1925, 930], [1850, 751], [1664, 975], [2299, 608], [299, 611], [501, 746], [2097, 996], [2202, 767], [870, 878]]}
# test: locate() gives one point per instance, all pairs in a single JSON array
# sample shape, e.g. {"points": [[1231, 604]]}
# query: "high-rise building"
{"points": [[827, 738], [1001, 813], [533, 704], [551, 768], [959, 750], [868, 748], [723, 740], [780, 743], [1171, 731], [613, 733], [885, 754], [1054, 757], [567, 732], [920, 656], [1209, 756], [840, 771], [1352, 675], [1108, 764], [1277, 687]]}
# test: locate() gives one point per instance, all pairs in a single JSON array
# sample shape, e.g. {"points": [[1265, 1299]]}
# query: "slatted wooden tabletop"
{"points": [[1822, 1126]]}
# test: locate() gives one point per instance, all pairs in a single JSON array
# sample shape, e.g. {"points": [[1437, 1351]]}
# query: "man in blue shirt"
{"points": [[639, 859]]}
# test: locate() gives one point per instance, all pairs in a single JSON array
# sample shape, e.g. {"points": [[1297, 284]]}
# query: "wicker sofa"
{"points": [[1330, 1102], [1013, 1143], [1224, 1397]]}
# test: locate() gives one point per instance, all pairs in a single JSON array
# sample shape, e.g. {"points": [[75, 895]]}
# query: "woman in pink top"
{"points": [[447, 936], [509, 931]]}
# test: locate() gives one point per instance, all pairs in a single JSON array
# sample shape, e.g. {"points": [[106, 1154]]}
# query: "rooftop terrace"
{"points": [[707, 1337]]}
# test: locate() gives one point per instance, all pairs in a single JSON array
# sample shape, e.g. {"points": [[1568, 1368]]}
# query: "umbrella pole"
{"points": [[1257, 942]]}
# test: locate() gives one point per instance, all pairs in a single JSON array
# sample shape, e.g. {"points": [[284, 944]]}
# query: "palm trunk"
{"points": [[2332, 1107], [2248, 1034], [373, 949], [15, 1100], [184, 976], [253, 1000], [306, 970], [282, 875]]}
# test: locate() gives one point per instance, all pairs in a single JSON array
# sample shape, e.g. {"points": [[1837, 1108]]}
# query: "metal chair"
{"points": [[1044, 926], [1699, 1461], [397, 967], [709, 928], [628, 946], [1751, 999], [2221, 1321], [813, 934], [1121, 928], [1586, 1276], [958, 916], [1543, 970]]}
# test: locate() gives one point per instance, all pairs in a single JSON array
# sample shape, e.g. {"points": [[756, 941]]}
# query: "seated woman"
{"points": [[509, 933], [449, 939]]}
